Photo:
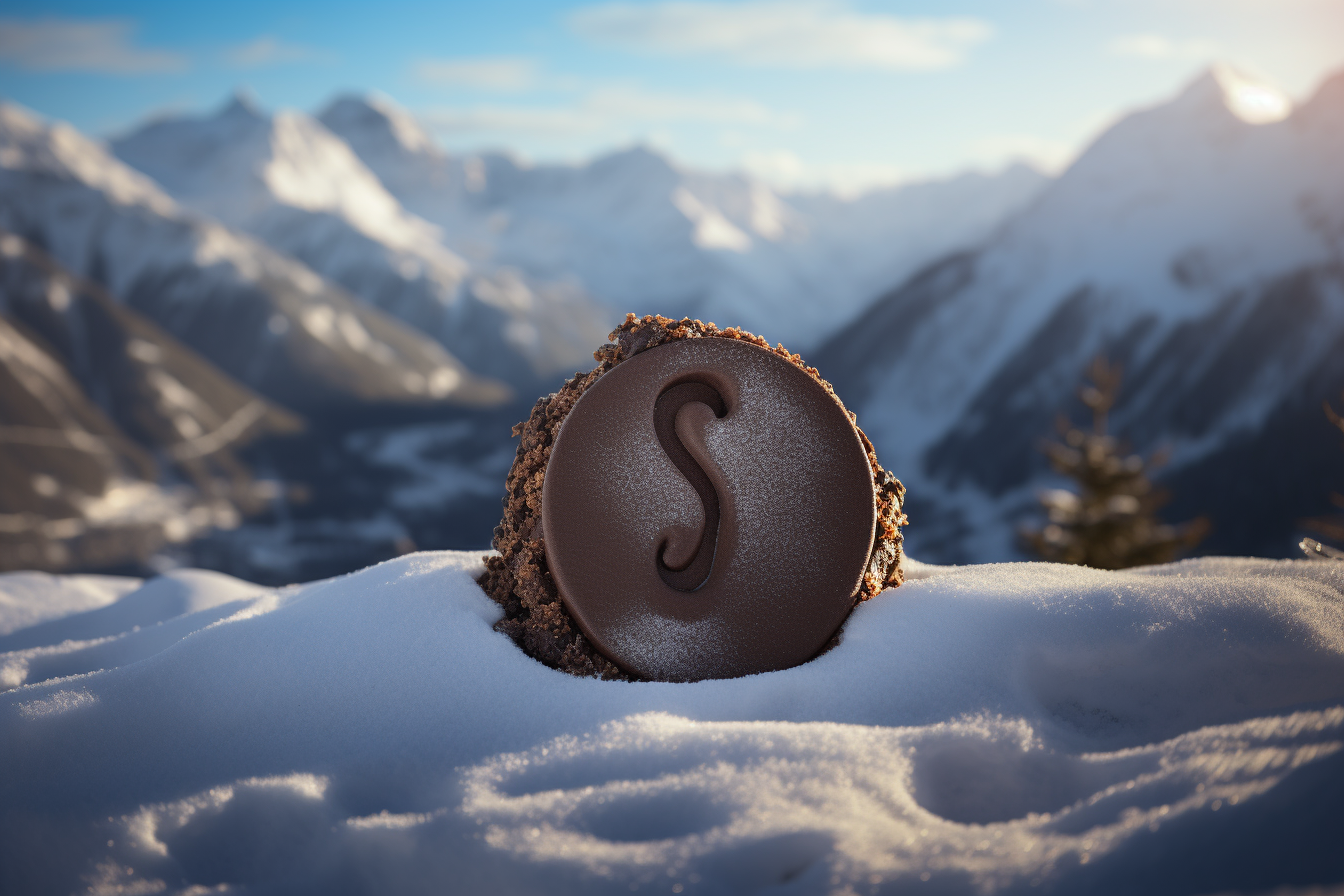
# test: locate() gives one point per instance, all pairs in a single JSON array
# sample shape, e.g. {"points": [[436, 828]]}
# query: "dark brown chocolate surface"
{"points": [[519, 577], [749, 563]]}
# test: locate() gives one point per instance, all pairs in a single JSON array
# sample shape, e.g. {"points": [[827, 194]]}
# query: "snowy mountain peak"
{"points": [[30, 144], [378, 119], [1225, 88], [639, 162], [302, 189], [241, 162], [242, 105]]}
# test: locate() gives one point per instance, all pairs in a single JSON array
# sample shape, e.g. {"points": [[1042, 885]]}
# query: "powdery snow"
{"points": [[985, 729], [27, 598]]}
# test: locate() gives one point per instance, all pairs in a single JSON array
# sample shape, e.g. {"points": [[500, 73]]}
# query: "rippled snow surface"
{"points": [[986, 729]]}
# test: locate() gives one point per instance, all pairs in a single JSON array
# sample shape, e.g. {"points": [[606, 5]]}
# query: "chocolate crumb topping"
{"points": [[518, 578]]}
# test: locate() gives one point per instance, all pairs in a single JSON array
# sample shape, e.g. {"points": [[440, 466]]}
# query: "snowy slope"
{"points": [[161, 401], [996, 729], [74, 490], [296, 186], [643, 234], [162, 394], [267, 320], [1203, 251]]}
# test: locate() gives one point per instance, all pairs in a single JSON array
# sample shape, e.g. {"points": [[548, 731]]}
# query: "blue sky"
{"points": [[803, 92]]}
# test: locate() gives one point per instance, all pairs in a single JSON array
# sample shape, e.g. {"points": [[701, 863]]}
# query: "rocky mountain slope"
{"points": [[1204, 252], [115, 439], [642, 234], [162, 394]]}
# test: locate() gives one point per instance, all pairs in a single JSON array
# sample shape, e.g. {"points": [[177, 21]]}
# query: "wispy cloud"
{"points": [[267, 50], [785, 169], [797, 34], [1158, 46], [87, 45], [604, 110], [503, 74]]}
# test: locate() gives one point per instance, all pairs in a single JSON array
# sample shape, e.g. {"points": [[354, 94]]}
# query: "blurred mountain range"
{"points": [[307, 337], [641, 234], [1204, 253], [96, 401]]}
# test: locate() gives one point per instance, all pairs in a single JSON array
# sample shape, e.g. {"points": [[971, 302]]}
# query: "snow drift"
{"points": [[990, 729]]}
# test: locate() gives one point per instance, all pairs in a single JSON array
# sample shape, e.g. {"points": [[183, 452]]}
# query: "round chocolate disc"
{"points": [[707, 512]]}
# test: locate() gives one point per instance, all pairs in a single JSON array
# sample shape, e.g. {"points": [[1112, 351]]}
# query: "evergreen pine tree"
{"points": [[1330, 527], [1110, 522]]}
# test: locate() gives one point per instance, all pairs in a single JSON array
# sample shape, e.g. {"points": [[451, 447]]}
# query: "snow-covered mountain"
{"points": [[266, 319], [1203, 251], [297, 187], [642, 234]]}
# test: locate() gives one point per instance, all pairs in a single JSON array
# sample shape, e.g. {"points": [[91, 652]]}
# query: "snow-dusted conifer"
{"points": [[1110, 522]]}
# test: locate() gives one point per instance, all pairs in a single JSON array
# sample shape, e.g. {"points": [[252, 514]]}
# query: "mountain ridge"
{"points": [[634, 226], [1173, 248], [296, 338], [290, 182]]}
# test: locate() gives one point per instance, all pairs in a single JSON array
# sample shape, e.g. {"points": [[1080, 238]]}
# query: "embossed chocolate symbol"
{"points": [[708, 511], [689, 574]]}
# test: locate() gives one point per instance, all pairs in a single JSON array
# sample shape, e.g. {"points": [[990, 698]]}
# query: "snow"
{"points": [[1187, 185], [100, 219], [1188, 214], [241, 164], [27, 598], [300, 189], [981, 729], [643, 234]]}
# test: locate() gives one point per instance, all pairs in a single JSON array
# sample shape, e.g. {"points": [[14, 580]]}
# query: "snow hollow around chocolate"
{"points": [[519, 579]]}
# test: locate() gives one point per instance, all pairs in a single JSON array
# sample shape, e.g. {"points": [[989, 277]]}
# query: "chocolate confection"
{"points": [[657, 575], [710, 510]]}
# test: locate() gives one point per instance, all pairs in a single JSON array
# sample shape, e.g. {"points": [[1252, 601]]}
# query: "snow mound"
{"points": [[28, 598], [981, 729]]}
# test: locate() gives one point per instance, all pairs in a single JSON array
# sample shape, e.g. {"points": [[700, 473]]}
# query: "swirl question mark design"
{"points": [[707, 512]]}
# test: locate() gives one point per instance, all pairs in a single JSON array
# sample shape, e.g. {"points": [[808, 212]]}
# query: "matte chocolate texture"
{"points": [[520, 579], [773, 575]]}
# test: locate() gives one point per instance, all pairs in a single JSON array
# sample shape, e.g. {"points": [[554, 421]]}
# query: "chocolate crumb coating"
{"points": [[518, 578]]}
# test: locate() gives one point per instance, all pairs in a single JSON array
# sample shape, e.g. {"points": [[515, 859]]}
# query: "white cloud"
{"points": [[268, 50], [605, 110], [89, 45], [498, 73], [798, 34], [1158, 46]]}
